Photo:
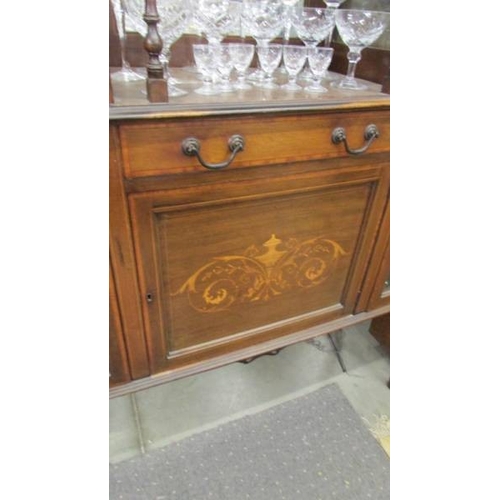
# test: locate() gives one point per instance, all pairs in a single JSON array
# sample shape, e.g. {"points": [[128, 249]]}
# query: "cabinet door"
{"points": [[118, 366], [226, 265], [376, 289]]}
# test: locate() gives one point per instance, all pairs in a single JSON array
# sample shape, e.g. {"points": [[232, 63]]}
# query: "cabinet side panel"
{"points": [[124, 266], [118, 366], [374, 293]]}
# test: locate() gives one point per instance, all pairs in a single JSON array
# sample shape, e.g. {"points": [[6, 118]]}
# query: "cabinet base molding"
{"points": [[244, 354]]}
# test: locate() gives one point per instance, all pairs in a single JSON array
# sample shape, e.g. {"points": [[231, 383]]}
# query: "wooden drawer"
{"points": [[152, 148]]}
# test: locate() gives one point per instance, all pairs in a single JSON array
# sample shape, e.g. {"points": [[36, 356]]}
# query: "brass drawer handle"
{"points": [[339, 135], [191, 147]]}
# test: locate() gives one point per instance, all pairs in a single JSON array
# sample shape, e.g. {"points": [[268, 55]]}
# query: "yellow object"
{"points": [[381, 430]]}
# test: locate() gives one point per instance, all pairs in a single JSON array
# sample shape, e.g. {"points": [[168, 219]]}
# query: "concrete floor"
{"points": [[154, 417]]}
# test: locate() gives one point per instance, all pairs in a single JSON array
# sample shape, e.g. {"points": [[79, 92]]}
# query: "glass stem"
{"points": [[125, 64], [166, 60], [353, 57], [288, 24], [123, 40], [328, 39], [262, 43]]}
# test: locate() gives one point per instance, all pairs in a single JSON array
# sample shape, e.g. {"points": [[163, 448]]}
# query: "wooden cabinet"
{"points": [[286, 243]]}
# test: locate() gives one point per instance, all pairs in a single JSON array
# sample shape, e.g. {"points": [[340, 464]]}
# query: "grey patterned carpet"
{"points": [[314, 447]]}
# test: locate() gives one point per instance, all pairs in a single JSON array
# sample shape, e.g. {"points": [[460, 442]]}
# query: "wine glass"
{"points": [[312, 24], [205, 59], [358, 29], [241, 57], [294, 58], [175, 17], [215, 19], [269, 58], [135, 9], [289, 5], [126, 73], [134, 12], [263, 21], [332, 5], [319, 59], [224, 65], [287, 28]]}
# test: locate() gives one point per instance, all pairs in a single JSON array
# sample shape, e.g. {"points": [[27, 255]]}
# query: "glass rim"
{"points": [[368, 11], [319, 49], [313, 8], [270, 45]]}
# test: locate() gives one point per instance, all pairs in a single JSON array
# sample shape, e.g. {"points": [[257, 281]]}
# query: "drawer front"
{"points": [[154, 148]]}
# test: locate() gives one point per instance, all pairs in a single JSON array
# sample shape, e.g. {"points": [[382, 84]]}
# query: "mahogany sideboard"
{"points": [[215, 264]]}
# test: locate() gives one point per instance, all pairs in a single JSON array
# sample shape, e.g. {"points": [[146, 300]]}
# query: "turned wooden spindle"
{"points": [[156, 82]]}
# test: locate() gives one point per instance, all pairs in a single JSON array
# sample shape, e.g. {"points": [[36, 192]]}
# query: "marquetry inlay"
{"points": [[261, 273]]}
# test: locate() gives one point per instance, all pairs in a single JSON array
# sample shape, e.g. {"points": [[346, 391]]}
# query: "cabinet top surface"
{"points": [[130, 100]]}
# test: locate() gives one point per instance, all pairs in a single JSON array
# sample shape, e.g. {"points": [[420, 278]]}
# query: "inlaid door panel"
{"points": [[217, 273]]}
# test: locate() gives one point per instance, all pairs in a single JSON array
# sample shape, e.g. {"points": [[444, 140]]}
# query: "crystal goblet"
{"points": [[205, 58], [224, 65], [241, 57], [126, 73], [332, 5], [263, 21], [216, 19], [269, 58], [134, 11], [319, 59], [358, 29], [294, 58], [312, 26], [287, 28], [289, 5], [175, 17]]}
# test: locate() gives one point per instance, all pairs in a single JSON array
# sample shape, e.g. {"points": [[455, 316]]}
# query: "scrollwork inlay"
{"points": [[261, 273]]}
